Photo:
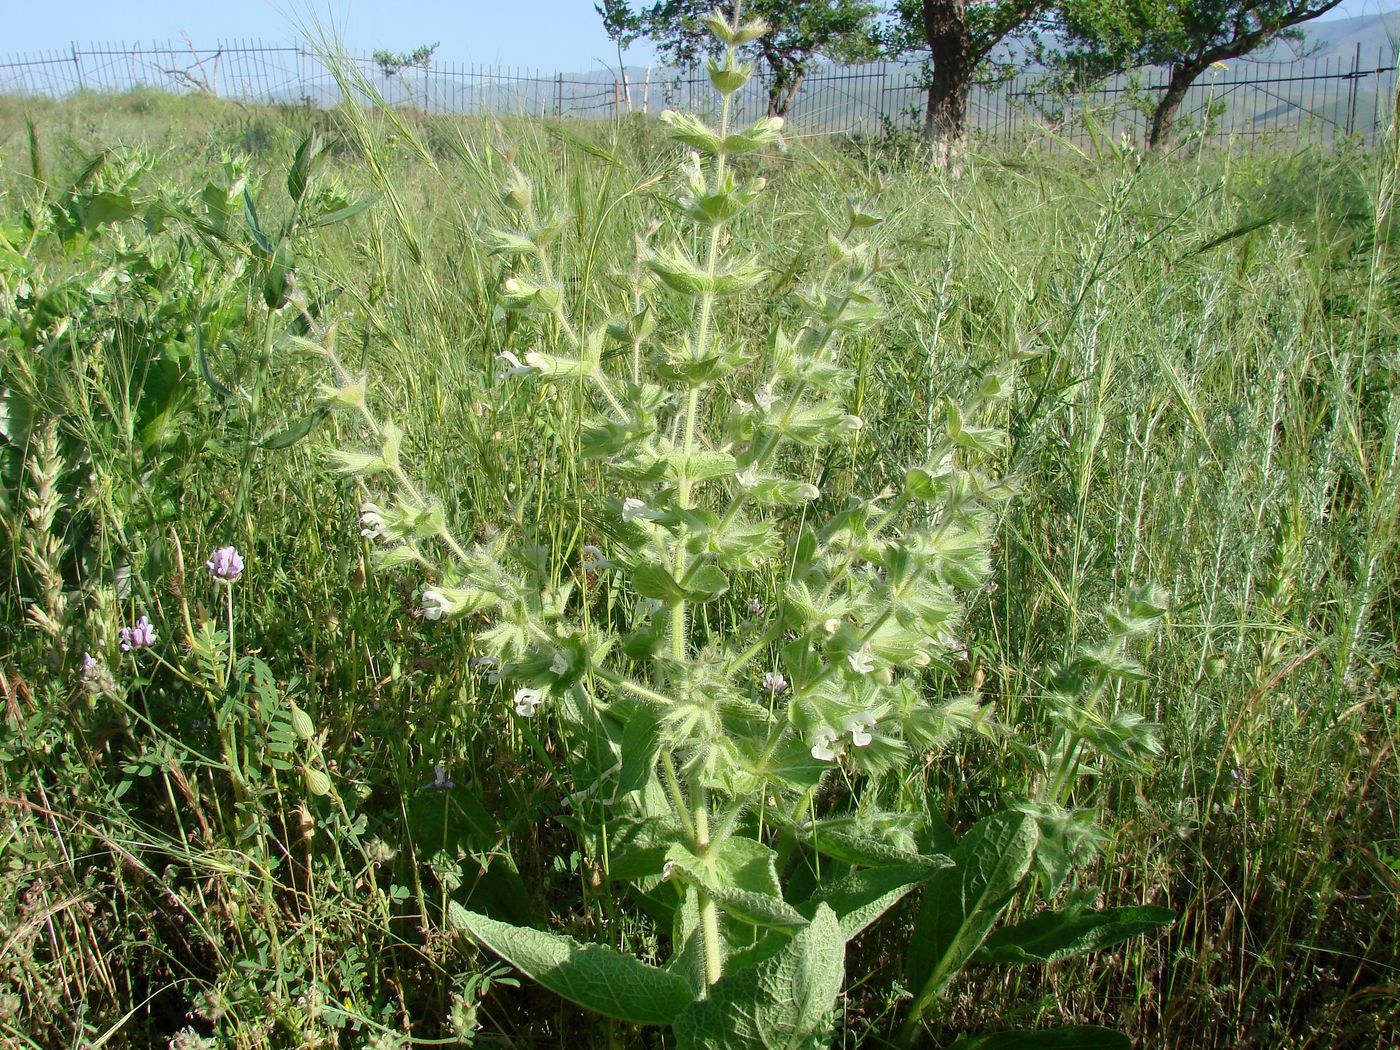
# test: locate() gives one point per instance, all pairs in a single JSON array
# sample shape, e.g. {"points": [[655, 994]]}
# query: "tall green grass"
{"points": [[1213, 404]]}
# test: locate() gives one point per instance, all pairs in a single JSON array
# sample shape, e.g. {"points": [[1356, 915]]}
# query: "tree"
{"points": [[623, 27], [392, 63], [959, 37], [1103, 37], [799, 33]]}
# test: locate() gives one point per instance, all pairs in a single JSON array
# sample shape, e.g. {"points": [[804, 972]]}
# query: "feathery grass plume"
{"points": [[42, 547]]}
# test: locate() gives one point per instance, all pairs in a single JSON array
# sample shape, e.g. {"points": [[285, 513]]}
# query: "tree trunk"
{"points": [[950, 48], [782, 90], [1177, 85]]}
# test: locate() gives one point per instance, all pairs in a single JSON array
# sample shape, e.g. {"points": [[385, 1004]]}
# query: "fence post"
{"points": [[77, 64], [1373, 137], [1353, 92], [559, 95]]}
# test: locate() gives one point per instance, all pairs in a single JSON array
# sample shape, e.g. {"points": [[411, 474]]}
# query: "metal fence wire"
{"points": [[1323, 100]]}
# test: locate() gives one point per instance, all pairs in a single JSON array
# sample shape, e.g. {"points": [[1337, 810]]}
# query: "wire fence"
{"points": [[1324, 100]]}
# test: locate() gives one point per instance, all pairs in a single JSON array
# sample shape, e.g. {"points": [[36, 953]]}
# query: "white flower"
{"points": [[859, 726], [764, 397], [749, 478], [860, 662], [774, 682], [593, 560], [823, 748], [436, 605], [371, 521], [755, 607], [560, 664], [514, 368], [632, 509], [526, 700]]}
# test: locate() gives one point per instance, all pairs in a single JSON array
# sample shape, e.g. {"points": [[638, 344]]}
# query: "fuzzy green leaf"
{"points": [[594, 976], [782, 1003], [758, 906], [963, 902], [863, 896], [706, 584]]}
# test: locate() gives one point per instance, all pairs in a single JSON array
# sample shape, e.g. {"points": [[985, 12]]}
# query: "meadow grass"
{"points": [[1211, 403]]}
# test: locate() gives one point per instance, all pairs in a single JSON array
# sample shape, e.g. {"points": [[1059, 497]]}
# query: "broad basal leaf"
{"points": [[963, 902], [595, 977], [782, 1003]]}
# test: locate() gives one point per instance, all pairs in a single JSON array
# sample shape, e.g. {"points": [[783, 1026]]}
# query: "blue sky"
{"points": [[544, 34]]}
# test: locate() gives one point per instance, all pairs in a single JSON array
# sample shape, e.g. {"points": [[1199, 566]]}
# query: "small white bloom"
{"points": [[436, 605], [755, 607], [774, 682], [483, 661], [633, 508], [593, 560], [823, 747], [560, 664], [514, 368], [371, 521], [526, 700], [860, 662], [764, 397], [859, 726], [749, 478]]}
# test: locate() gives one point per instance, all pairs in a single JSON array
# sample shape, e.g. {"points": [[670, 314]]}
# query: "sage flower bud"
{"points": [[526, 701], [823, 745]]}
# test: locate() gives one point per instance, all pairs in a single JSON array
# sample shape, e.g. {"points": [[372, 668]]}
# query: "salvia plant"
{"points": [[707, 747]]}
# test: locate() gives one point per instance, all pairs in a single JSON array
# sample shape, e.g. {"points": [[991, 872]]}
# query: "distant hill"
{"points": [[1339, 37]]}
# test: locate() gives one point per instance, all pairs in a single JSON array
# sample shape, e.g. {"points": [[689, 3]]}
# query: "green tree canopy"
{"points": [[1102, 37], [800, 32]]}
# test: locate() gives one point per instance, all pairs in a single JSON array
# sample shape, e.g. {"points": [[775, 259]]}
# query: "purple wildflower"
{"points": [[225, 564], [139, 636]]}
